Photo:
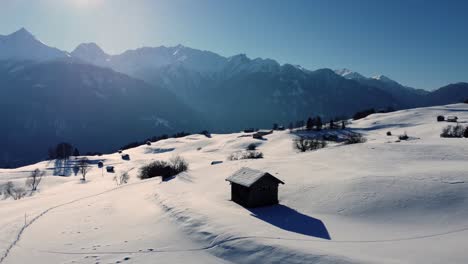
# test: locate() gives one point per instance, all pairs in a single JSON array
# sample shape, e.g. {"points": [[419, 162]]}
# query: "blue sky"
{"points": [[419, 43]]}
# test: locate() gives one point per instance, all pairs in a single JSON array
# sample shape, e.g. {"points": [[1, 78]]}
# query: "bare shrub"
{"points": [[10, 190], [355, 138], [122, 178], [252, 146], [34, 179], [451, 131], [179, 164], [245, 155], [403, 137], [18, 192], [84, 168], [7, 189], [307, 144], [164, 169]]}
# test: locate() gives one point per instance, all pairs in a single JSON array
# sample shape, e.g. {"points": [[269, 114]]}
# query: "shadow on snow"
{"points": [[291, 220]]}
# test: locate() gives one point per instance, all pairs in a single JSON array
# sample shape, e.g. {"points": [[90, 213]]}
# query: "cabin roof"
{"points": [[247, 177]]}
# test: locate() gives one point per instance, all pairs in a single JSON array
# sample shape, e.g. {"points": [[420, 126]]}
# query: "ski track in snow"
{"points": [[26, 226], [246, 238]]}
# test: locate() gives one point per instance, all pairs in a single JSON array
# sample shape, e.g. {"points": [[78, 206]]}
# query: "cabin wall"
{"points": [[240, 194], [263, 192]]}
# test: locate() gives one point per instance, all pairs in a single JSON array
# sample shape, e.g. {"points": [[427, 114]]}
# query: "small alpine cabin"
{"points": [[254, 188]]}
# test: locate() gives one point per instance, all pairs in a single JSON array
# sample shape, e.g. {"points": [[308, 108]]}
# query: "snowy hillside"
{"points": [[383, 201]]}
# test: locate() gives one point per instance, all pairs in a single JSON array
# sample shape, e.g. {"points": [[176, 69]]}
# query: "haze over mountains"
{"points": [[52, 95]]}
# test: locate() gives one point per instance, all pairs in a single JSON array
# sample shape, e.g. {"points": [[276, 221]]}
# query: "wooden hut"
{"points": [[110, 168], [254, 188]]}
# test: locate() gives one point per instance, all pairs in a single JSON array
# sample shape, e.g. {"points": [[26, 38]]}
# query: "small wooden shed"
{"points": [[110, 168], [254, 188]]}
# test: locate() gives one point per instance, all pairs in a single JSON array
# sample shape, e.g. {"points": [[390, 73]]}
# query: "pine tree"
{"points": [[332, 124], [310, 124], [76, 153], [318, 123], [343, 126]]}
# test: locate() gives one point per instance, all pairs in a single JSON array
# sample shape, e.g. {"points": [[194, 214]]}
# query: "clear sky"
{"points": [[419, 43]]}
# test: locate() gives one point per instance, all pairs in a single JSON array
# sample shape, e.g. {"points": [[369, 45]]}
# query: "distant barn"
{"points": [[110, 168], [254, 188]]}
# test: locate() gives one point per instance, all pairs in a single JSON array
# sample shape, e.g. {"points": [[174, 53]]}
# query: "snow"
{"points": [[246, 177], [383, 201], [351, 75]]}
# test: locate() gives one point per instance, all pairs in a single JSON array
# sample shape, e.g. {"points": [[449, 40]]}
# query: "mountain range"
{"points": [[97, 101]]}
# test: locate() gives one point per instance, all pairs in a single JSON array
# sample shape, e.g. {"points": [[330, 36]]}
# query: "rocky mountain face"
{"points": [[94, 108]]}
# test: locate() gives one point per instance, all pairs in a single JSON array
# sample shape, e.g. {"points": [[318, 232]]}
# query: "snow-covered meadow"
{"points": [[383, 201]]}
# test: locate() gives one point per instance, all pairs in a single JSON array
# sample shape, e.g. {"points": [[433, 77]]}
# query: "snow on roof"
{"points": [[246, 177]]}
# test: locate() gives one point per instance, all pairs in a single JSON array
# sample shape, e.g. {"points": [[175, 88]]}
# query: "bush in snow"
{"points": [[122, 178], [403, 137], [307, 144], [440, 118], [84, 168], [355, 139], [179, 164], [10, 190], [389, 133], [164, 169], [246, 155], [465, 134], [451, 131], [34, 179], [252, 146]]}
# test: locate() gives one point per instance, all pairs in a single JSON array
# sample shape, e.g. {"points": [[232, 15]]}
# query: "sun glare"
{"points": [[85, 3]]}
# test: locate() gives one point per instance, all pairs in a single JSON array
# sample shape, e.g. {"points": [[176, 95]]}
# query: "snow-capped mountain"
{"points": [[95, 108], [384, 78], [22, 45], [134, 61], [407, 96], [230, 92], [348, 74]]}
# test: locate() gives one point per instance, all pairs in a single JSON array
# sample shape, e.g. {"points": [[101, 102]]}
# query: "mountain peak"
{"points": [[22, 33], [383, 78], [349, 74], [89, 48], [90, 52], [22, 45]]}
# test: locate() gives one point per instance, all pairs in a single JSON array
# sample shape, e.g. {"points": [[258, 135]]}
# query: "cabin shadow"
{"points": [[291, 220]]}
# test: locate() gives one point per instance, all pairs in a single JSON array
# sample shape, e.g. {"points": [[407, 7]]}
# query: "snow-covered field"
{"points": [[382, 201]]}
